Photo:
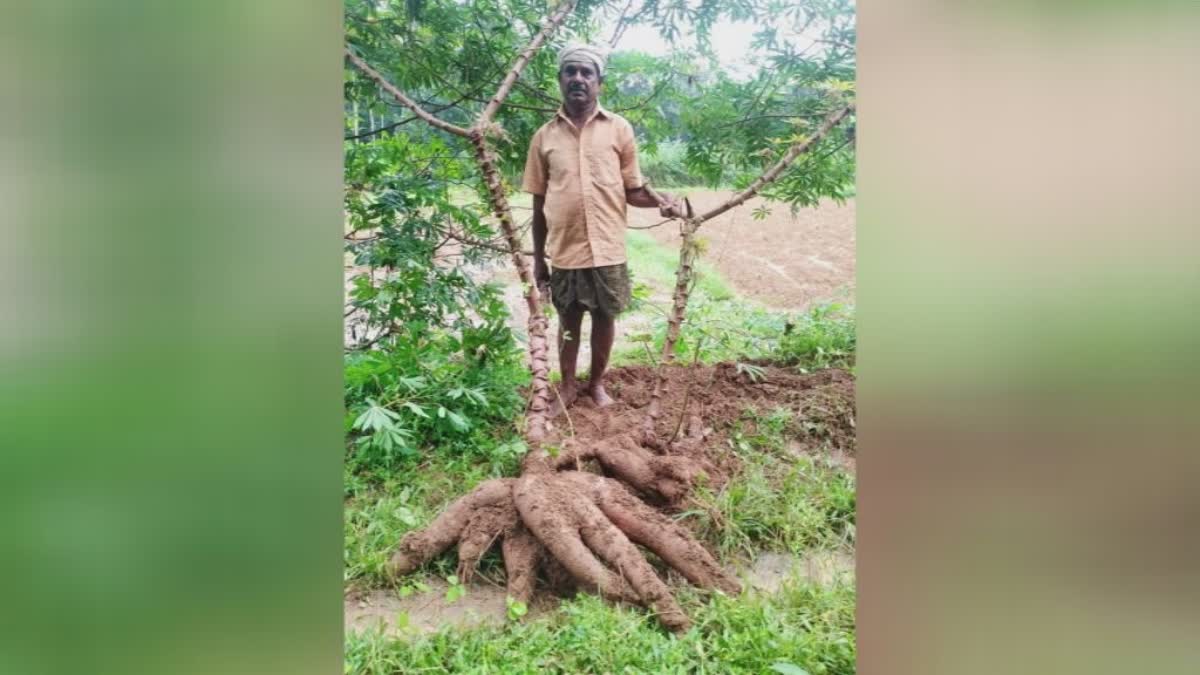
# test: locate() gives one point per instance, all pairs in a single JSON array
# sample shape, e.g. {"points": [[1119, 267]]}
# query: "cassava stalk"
{"points": [[689, 251], [539, 359]]}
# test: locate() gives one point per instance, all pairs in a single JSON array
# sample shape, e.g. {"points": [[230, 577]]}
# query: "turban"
{"points": [[581, 52]]}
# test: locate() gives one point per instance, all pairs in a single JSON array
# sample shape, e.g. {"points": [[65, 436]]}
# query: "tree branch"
{"points": [[771, 174], [753, 118], [657, 90], [553, 22], [471, 241], [399, 95], [621, 26], [404, 121]]}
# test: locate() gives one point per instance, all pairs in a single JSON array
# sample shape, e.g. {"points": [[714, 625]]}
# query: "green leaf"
{"points": [[416, 409], [458, 421], [788, 669], [516, 609]]}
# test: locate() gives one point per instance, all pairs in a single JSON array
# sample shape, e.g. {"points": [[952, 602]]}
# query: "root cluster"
{"points": [[580, 527]]}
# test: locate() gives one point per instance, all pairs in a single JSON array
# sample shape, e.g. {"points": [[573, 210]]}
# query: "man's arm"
{"points": [[541, 274], [640, 197], [631, 174]]}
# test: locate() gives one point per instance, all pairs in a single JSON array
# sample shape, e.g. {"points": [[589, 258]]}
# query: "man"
{"points": [[582, 170]]}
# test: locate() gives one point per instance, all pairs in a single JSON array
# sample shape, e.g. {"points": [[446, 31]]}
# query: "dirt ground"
{"points": [[783, 261], [716, 396]]}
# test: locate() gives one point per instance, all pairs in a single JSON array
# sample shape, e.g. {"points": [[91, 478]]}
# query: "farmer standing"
{"points": [[582, 170]]}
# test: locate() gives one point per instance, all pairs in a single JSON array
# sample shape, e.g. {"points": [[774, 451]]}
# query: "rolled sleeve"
{"points": [[631, 173], [535, 179]]}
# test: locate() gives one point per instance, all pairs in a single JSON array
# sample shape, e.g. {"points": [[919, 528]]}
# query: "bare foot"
{"points": [[567, 393], [601, 397]]}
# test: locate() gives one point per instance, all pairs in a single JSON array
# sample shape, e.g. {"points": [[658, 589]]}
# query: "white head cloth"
{"points": [[587, 53]]}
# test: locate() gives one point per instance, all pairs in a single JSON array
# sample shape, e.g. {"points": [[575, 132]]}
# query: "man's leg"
{"points": [[569, 322], [604, 328]]}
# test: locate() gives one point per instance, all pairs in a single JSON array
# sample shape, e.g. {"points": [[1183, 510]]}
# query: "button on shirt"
{"points": [[583, 174]]}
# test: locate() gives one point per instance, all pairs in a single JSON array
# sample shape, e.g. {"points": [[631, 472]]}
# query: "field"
{"points": [[783, 261]]}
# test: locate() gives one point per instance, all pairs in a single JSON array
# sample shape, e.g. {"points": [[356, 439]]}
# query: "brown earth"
{"points": [[716, 396], [784, 261]]}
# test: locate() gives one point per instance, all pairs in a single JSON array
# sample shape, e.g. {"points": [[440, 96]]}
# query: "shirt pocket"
{"points": [[606, 165]]}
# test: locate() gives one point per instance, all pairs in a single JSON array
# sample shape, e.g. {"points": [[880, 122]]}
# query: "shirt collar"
{"points": [[600, 112]]}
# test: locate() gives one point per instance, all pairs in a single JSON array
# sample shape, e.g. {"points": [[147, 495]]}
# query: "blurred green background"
{"points": [[1028, 296], [170, 344]]}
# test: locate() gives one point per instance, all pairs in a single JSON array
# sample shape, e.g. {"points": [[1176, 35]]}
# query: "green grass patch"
{"points": [[780, 501], [803, 625], [718, 330], [376, 515], [654, 264], [720, 326]]}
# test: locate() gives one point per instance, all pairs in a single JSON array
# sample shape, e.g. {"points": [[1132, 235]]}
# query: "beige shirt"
{"points": [[584, 175]]}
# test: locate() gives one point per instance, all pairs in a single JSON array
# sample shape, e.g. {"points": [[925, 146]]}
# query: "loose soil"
{"points": [[715, 397]]}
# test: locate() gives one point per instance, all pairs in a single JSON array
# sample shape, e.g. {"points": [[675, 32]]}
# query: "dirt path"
{"points": [[784, 261]]}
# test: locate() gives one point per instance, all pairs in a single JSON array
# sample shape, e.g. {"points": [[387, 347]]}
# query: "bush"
{"points": [[429, 393], [665, 166], [824, 337]]}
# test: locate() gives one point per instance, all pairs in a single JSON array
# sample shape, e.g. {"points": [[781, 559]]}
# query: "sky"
{"points": [[730, 40]]}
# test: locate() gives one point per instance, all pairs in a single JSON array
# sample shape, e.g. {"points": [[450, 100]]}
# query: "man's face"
{"points": [[579, 82]]}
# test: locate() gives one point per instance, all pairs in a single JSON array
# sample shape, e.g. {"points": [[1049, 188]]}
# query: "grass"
{"points": [[654, 264], [782, 501], [375, 517], [735, 330], [802, 625]]}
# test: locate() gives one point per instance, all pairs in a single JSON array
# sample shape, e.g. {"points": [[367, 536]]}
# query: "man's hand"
{"points": [[541, 274], [672, 207]]}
